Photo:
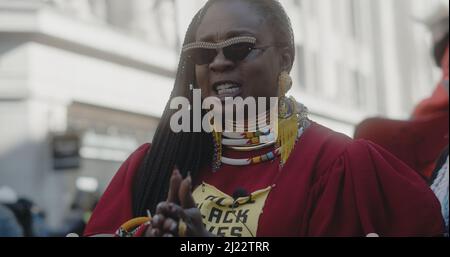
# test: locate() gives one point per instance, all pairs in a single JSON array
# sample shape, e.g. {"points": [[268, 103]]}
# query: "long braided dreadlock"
{"points": [[190, 151]]}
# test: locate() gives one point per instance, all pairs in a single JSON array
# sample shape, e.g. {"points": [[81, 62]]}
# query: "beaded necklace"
{"points": [[264, 137], [258, 159]]}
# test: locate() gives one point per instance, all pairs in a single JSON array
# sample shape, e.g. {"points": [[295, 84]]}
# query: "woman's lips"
{"points": [[235, 93], [227, 90]]}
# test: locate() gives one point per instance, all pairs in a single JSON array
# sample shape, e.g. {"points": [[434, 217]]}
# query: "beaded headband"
{"points": [[229, 42]]}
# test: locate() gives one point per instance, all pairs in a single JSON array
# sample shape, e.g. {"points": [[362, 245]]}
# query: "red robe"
{"points": [[418, 141], [330, 186]]}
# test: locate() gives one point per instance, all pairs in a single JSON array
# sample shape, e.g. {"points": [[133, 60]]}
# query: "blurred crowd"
{"points": [[20, 217]]}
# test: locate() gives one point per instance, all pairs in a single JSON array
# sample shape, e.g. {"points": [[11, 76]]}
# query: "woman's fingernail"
{"points": [[189, 180], [173, 227], [156, 219]]}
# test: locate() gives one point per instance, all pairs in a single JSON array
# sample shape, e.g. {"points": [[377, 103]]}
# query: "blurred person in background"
{"points": [[30, 217], [23, 215], [9, 226], [79, 214], [306, 181], [440, 176], [420, 140], [440, 186]]}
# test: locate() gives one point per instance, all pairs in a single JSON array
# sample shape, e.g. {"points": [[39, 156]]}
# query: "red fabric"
{"points": [[141, 230], [438, 102], [330, 186], [418, 141]]}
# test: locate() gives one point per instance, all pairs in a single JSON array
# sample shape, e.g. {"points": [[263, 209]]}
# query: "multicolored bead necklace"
{"points": [[264, 137]]}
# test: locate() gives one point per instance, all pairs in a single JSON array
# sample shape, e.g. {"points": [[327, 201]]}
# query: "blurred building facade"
{"points": [[104, 69]]}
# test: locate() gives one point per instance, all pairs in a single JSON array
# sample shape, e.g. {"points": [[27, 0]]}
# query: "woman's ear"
{"points": [[286, 60]]}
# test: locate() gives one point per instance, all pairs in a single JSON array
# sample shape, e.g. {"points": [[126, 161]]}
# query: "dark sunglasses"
{"points": [[234, 49]]}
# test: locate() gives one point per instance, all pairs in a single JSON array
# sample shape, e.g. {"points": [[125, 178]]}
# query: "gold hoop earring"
{"points": [[284, 83]]}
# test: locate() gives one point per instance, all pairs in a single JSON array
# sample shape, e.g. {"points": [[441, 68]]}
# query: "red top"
{"points": [[418, 141], [330, 186], [439, 99]]}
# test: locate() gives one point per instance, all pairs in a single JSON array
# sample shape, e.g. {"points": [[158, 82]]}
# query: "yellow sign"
{"points": [[225, 216]]}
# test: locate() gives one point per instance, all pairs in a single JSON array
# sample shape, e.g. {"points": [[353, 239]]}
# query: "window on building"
{"points": [[354, 21], [358, 90], [99, 8], [336, 15], [119, 14], [340, 84], [301, 64], [312, 8], [317, 71], [297, 3], [87, 10]]}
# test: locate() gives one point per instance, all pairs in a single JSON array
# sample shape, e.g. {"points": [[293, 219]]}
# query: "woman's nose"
{"points": [[221, 63]]}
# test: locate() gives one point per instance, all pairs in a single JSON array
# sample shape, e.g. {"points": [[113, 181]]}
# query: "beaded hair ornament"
{"points": [[226, 43]]}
